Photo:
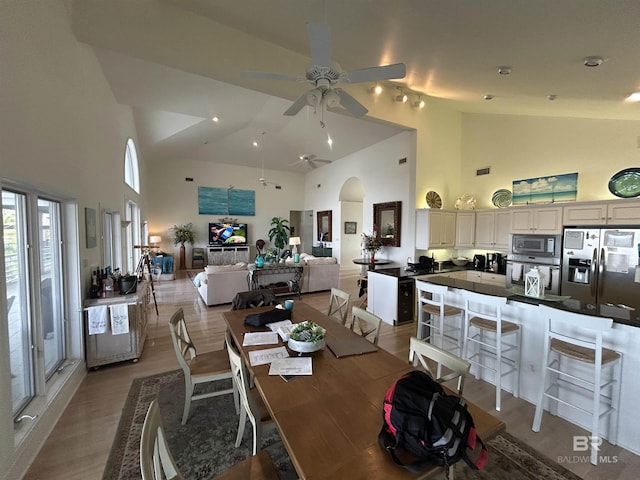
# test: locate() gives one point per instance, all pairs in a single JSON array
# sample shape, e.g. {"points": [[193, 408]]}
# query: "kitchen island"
{"points": [[623, 337]]}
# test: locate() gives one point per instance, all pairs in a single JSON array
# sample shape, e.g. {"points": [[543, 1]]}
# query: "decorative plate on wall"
{"points": [[434, 200], [465, 202], [626, 183], [501, 198]]}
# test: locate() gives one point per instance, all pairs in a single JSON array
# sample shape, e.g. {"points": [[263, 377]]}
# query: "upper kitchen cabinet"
{"points": [[537, 220], [435, 229], [492, 229], [622, 212], [465, 229]]}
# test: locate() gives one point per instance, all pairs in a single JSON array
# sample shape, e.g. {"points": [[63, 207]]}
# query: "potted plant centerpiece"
{"points": [[372, 244], [183, 234], [306, 337]]}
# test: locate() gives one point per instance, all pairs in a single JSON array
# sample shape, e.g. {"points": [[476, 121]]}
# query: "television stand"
{"points": [[227, 254]]}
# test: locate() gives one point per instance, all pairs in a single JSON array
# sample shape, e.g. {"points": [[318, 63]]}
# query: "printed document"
{"points": [[291, 366], [259, 338], [268, 355]]}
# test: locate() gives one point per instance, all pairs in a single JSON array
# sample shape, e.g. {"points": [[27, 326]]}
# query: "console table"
{"points": [[294, 273]]}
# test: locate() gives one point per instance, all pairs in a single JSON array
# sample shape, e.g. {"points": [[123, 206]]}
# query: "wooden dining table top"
{"points": [[329, 421]]}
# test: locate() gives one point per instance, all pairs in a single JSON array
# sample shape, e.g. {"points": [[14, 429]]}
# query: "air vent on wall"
{"points": [[402, 160], [483, 171]]}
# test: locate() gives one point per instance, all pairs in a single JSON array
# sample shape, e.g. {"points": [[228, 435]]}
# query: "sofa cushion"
{"points": [[321, 260], [225, 268]]}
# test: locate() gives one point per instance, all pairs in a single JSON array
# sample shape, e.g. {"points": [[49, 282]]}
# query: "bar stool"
{"points": [[431, 304], [577, 339], [494, 337]]}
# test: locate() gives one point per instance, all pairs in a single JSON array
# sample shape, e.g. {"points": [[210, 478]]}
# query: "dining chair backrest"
{"points": [[240, 377], [339, 305], [156, 461], [420, 351], [367, 323], [182, 344]]}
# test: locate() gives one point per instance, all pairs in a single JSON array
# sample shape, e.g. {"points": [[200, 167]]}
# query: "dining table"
{"points": [[329, 421]]}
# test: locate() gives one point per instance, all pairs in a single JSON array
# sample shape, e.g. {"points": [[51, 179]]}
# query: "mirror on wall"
{"points": [[324, 226], [386, 218]]}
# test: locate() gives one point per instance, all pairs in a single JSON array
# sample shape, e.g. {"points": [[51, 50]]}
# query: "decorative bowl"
{"points": [[305, 347], [460, 261]]}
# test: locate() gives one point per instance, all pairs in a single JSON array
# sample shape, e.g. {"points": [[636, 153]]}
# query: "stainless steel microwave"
{"points": [[536, 245]]}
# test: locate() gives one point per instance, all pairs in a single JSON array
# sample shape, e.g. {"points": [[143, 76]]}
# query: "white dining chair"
{"points": [[339, 305], [575, 358], [251, 405], [198, 368], [420, 352], [496, 341], [366, 323]]}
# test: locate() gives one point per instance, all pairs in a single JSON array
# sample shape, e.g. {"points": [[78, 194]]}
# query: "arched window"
{"points": [[131, 170]]}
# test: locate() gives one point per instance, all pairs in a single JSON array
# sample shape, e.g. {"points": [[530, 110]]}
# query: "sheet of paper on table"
{"points": [[291, 366], [259, 338], [276, 325], [268, 355], [285, 331]]}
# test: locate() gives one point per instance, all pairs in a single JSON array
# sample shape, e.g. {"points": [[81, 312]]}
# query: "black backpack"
{"points": [[420, 418]]}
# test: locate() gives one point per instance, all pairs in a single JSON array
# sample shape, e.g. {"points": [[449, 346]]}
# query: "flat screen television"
{"points": [[227, 234]]}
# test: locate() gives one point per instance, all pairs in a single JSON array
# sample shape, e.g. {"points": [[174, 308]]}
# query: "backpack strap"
{"points": [[415, 467]]}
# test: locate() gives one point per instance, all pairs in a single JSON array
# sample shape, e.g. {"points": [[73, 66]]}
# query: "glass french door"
{"points": [[32, 228]]}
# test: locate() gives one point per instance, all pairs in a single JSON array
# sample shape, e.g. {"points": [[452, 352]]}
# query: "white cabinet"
{"points": [[465, 229], [382, 296], [492, 229], [622, 212], [435, 229], [542, 220]]}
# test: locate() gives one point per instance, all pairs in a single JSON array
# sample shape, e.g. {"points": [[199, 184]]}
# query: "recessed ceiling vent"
{"points": [[483, 171]]}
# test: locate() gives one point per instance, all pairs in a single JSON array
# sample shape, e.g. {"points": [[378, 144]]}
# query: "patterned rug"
{"points": [[204, 447]]}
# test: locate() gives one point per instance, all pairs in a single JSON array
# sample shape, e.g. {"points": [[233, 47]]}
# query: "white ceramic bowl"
{"points": [[460, 261], [305, 347]]}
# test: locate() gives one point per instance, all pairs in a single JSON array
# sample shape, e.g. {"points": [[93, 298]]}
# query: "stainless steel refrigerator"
{"points": [[600, 271]]}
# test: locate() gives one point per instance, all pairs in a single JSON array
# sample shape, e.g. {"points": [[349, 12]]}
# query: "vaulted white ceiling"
{"points": [[179, 62]]}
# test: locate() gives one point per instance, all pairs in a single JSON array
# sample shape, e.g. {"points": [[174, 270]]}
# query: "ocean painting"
{"points": [[226, 201], [555, 188]]}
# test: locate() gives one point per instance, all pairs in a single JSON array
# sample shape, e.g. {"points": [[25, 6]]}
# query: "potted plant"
{"points": [[183, 234], [279, 232], [306, 337], [372, 244]]}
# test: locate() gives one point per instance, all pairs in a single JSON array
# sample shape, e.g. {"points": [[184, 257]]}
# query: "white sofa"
{"points": [[219, 283]]}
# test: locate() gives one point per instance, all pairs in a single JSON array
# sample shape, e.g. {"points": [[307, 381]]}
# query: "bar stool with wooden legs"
{"points": [[496, 339], [432, 311], [572, 342]]}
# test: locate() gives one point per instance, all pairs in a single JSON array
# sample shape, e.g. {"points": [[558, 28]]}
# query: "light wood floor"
{"points": [[78, 447]]}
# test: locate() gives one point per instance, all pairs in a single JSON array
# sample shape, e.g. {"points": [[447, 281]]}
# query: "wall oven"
{"points": [[541, 251]]}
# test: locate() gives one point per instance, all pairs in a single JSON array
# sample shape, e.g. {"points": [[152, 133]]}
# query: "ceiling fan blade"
{"points": [[384, 72], [272, 76], [296, 106], [312, 164], [351, 104], [320, 44], [322, 160]]}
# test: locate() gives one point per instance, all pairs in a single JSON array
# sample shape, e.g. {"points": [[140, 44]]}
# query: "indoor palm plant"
{"points": [[279, 232], [183, 234]]}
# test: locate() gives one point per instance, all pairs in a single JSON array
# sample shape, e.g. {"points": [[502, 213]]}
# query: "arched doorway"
{"points": [[351, 201]]}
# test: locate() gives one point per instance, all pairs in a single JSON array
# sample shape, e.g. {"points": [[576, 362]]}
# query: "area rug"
{"points": [[204, 447]]}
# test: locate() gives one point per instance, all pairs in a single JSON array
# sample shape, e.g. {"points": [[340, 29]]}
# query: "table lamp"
{"points": [[295, 241], [154, 240]]}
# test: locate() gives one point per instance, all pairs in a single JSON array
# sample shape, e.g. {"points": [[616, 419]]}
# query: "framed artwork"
{"points": [[226, 201], [350, 228], [90, 227], [551, 189]]}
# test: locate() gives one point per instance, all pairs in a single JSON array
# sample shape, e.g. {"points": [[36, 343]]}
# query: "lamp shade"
{"points": [[155, 239], [294, 241]]}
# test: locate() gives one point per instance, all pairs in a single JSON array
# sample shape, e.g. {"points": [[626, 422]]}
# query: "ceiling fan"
{"points": [[310, 161], [262, 179], [324, 74]]}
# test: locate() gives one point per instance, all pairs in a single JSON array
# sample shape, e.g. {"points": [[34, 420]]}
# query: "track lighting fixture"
{"points": [[418, 103], [401, 97], [376, 89]]}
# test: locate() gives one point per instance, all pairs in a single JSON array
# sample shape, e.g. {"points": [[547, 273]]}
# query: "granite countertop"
{"points": [[619, 315], [401, 272]]}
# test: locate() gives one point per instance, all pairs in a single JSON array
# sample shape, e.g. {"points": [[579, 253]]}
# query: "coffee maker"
{"points": [[478, 262], [494, 263]]}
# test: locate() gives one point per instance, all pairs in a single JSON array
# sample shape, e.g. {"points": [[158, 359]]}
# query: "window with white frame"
{"points": [[131, 168]]}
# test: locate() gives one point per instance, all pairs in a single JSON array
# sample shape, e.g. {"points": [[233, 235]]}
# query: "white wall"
{"points": [[63, 133], [350, 245], [519, 147], [173, 200], [384, 180]]}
